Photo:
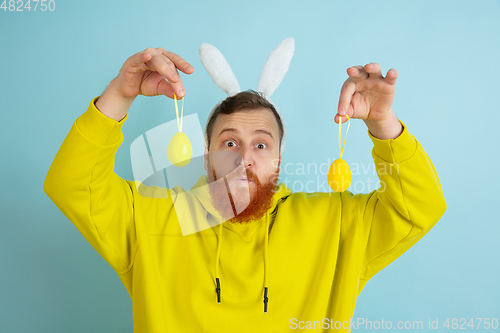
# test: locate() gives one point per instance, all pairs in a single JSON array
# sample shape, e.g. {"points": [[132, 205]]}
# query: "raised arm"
{"points": [[81, 180], [410, 200]]}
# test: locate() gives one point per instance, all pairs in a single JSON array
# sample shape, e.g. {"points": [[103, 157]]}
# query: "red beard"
{"points": [[260, 201]]}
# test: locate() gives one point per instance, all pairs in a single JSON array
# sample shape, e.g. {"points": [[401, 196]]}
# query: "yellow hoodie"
{"points": [[311, 254]]}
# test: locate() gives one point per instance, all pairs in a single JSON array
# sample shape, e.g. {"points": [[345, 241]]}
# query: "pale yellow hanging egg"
{"points": [[180, 150], [339, 175]]}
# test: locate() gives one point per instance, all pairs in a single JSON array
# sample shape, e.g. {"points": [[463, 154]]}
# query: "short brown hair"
{"points": [[245, 100]]}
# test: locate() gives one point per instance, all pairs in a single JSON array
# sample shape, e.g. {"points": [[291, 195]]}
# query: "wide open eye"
{"points": [[227, 143], [261, 145]]}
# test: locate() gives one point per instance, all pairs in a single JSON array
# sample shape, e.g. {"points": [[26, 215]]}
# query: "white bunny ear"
{"points": [[218, 69], [276, 66]]}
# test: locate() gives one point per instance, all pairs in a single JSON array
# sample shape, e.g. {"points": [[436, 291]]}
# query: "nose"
{"points": [[245, 159]]}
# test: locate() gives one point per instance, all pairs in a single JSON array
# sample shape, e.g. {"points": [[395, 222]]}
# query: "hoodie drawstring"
{"points": [[266, 266], [266, 259], [219, 247]]}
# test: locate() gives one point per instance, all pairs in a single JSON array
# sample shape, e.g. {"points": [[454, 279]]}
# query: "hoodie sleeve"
{"points": [[408, 203], [82, 183]]}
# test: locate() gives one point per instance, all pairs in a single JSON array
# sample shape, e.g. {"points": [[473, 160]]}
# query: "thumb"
{"points": [[342, 118]]}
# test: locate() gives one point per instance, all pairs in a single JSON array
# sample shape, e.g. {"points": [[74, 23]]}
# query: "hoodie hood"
{"points": [[201, 191]]}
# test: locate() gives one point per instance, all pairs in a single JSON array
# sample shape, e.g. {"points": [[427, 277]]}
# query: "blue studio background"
{"points": [[446, 52]]}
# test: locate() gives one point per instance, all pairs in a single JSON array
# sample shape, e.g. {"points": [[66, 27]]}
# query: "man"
{"points": [[247, 150], [291, 260]]}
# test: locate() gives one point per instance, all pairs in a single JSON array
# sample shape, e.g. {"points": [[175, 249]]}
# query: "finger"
{"points": [[141, 57], [166, 88], [374, 71], [177, 60], [137, 61], [357, 72], [392, 76], [178, 88], [169, 88], [342, 118], [164, 66], [348, 89]]}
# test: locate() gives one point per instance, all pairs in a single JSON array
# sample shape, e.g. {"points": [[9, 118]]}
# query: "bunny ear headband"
{"points": [[271, 76]]}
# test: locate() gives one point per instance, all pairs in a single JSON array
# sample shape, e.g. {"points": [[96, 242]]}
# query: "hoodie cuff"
{"points": [[98, 127], [395, 150]]}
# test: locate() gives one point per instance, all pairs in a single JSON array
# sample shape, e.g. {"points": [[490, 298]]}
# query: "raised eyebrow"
{"points": [[264, 132], [228, 130], [231, 129]]}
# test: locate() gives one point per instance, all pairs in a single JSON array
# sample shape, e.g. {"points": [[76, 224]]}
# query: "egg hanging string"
{"points": [[179, 123], [180, 149], [341, 151], [339, 174]]}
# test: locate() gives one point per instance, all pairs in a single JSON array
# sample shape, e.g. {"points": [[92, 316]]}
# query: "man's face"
{"points": [[247, 141]]}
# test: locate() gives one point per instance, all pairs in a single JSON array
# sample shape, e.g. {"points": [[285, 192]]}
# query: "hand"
{"points": [[146, 73], [367, 95]]}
